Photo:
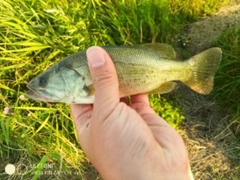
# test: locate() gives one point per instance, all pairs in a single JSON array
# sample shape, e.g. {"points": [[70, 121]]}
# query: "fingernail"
{"points": [[95, 56]]}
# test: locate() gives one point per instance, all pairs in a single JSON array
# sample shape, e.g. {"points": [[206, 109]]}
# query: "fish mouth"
{"points": [[41, 95], [38, 94]]}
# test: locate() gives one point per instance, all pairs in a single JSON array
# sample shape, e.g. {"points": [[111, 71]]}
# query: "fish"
{"points": [[150, 68]]}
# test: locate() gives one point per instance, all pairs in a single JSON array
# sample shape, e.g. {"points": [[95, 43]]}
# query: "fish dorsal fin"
{"points": [[164, 50], [164, 88]]}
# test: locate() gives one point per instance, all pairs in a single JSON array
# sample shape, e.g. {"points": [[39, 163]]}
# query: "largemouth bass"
{"points": [[148, 68]]}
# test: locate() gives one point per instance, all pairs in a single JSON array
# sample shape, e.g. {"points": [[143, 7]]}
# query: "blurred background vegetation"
{"points": [[35, 34]]}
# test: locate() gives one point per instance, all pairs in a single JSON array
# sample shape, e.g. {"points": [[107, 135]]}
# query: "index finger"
{"points": [[81, 114], [140, 98]]}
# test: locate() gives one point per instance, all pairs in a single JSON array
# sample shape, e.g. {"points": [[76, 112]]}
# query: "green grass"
{"points": [[35, 34], [167, 110], [228, 76]]}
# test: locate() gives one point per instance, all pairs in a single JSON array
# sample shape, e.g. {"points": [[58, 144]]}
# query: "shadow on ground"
{"points": [[212, 145]]}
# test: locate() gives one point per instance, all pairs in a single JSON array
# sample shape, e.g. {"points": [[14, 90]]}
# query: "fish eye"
{"points": [[42, 82]]}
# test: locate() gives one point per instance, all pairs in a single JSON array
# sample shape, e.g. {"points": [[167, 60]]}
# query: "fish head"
{"points": [[60, 83]]}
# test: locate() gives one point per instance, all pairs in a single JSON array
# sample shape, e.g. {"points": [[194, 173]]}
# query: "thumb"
{"points": [[104, 78]]}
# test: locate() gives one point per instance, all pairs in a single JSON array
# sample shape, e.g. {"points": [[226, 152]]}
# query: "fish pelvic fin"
{"points": [[204, 66]]}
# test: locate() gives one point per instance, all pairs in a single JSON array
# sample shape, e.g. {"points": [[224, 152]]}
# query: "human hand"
{"points": [[126, 141]]}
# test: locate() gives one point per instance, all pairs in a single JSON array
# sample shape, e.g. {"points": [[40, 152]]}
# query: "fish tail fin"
{"points": [[204, 66]]}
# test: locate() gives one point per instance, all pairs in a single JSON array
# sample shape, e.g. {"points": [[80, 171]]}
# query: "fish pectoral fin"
{"points": [[164, 50], [89, 90], [164, 88]]}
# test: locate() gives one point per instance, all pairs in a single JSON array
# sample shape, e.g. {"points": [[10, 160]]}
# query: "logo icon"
{"points": [[10, 169]]}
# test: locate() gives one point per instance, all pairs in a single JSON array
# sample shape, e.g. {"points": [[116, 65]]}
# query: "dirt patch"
{"points": [[202, 33], [210, 142]]}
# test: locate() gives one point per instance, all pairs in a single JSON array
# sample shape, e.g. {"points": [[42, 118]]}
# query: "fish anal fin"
{"points": [[164, 50], [164, 88]]}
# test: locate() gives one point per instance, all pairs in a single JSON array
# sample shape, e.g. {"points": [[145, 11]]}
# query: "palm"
{"points": [[130, 133]]}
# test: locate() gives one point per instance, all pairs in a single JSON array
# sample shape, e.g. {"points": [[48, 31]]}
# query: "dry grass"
{"points": [[213, 148]]}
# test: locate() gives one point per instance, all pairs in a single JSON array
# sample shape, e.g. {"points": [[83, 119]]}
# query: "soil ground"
{"points": [[203, 32], [210, 142]]}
